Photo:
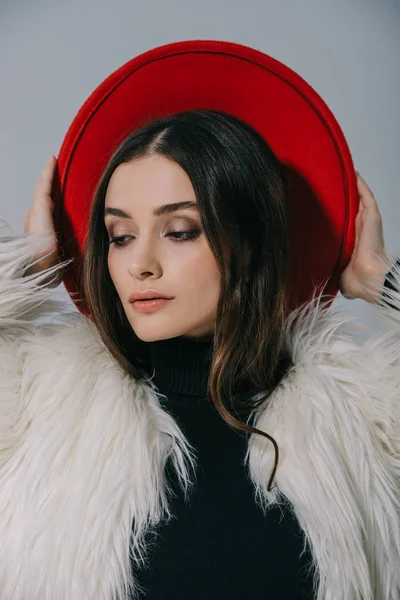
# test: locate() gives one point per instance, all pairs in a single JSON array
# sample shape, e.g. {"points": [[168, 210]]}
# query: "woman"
{"points": [[106, 428]]}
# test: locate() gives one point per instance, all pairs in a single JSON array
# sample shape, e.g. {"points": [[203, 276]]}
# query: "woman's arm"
{"points": [[366, 274], [23, 298], [22, 301], [30, 264]]}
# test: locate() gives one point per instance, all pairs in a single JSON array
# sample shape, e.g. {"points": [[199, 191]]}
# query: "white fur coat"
{"points": [[83, 449]]}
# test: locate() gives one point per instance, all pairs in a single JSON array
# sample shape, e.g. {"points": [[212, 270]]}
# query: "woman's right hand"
{"points": [[38, 219]]}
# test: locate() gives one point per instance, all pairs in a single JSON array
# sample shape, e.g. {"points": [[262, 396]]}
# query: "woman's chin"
{"points": [[153, 329], [147, 333]]}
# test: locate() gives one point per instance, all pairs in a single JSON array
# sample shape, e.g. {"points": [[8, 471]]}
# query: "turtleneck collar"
{"points": [[181, 365]]}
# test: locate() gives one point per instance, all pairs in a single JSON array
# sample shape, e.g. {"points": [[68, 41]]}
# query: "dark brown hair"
{"points": [[240, 189]]}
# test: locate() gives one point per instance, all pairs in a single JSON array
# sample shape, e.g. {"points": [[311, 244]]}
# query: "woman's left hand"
{"points": [[369, 259]]}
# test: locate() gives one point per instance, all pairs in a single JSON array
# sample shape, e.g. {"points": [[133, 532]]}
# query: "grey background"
{"points": [[53, 53]]}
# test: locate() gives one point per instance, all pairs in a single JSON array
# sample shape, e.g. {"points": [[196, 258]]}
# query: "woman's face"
{"points": [[164, 250]]}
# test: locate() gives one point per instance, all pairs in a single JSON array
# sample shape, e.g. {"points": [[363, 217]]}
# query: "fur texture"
{"points": [[83, 449]]}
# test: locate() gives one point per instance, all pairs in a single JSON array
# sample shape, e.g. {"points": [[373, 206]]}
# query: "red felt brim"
{"points": [[285, 110]]}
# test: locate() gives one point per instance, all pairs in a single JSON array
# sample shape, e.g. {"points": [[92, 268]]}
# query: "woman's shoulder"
{"points": [[69, 343], [345, 375], [318, 333]]}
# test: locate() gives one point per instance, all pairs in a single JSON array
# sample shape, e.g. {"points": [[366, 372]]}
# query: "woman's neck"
{"points": [[181, 364]]}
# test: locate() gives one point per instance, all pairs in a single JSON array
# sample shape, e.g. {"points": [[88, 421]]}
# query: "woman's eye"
{"points": [[117, 241], [176, 236], [183, 236]]}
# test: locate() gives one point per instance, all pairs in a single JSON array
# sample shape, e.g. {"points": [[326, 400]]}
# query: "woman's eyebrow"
{"points": [[164, 209]]}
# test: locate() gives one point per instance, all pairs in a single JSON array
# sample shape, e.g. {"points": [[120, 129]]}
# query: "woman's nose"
{"points": [[144, 263], [141, 274]]}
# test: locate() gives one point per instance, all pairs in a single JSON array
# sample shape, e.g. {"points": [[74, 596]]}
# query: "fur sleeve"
{"points": [[336, 419], [327, 338], [24, 298], [22, 301]]}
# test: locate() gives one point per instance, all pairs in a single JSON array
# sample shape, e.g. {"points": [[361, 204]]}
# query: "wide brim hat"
{"points": [[248, 84]]}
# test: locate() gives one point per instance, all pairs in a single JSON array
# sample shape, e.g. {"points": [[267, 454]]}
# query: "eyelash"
{"points": [[191, 236]]}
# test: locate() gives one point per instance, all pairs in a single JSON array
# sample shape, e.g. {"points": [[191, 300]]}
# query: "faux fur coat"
{"points": [[83, 449]]}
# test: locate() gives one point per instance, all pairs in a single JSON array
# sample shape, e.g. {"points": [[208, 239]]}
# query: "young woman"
{"points": [[110, 426]]}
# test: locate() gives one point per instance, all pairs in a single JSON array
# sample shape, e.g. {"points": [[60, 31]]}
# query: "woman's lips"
{"points": [[147, 306]]}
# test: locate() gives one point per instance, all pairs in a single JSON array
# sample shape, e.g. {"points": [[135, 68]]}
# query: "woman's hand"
{"points": [[38, 219], [369, 259]]}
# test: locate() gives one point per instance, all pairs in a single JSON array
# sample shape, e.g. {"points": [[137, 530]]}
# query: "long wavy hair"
{"points": [[241, 194]]}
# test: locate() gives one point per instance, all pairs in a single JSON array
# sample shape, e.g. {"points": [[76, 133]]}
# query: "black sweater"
{"points": [[219, 544]]}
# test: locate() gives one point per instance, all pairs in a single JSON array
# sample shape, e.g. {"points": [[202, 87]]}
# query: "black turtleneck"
{"points": [[219, 544]]}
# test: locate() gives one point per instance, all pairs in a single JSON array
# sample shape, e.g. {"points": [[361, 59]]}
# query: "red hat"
{"points": [[248, 84]]}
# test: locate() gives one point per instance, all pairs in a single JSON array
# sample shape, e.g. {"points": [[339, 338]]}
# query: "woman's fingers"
{"points": [[38, 219], [367, 198], [44, 184]]}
